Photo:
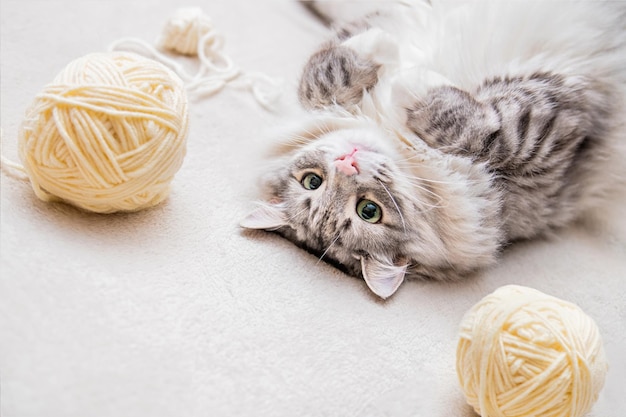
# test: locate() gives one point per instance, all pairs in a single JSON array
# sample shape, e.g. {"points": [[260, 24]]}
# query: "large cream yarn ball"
{"points": [[525, 353], [108, 134]]}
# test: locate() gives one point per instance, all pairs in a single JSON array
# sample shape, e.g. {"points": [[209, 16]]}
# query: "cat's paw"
{"points": [[451, 119], [336, 75]]}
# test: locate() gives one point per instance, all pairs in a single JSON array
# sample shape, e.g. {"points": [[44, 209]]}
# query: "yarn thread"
{"points": [[524, 353], [108, 134], [191, 33], [14, 169]]}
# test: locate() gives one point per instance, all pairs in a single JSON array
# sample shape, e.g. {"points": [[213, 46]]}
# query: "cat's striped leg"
{"points": [[453, 121], [519, 123]]}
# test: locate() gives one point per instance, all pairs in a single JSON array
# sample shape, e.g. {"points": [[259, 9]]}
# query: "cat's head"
{"points": [[340, 196]]}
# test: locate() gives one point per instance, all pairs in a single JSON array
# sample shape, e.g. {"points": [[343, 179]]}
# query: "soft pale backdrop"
{"points": [[174, 311]]}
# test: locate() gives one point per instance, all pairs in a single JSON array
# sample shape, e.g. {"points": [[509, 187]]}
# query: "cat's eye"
{"points": [[311, 181], [369, 211]]}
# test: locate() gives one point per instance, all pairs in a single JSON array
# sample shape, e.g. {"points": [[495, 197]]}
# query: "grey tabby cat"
{"points": [[442, 131]]}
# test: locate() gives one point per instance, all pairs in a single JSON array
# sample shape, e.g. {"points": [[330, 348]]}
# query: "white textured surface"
{"points": [[175, 311]]}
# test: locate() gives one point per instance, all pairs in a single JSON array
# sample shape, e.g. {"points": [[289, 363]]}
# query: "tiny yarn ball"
{"points": [[184, 31], [524, 353], [107, 134]]}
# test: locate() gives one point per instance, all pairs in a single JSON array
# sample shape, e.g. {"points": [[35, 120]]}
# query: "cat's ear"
{"points": [[381, 277], [266, 217]]}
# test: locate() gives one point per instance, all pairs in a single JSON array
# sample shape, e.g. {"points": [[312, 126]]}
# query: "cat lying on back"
{"points": [[442, 132]]}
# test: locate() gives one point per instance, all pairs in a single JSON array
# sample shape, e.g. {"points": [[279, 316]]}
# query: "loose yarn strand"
{"points": [[265, 89], [190, 32], [145, 49], [11, 168]]}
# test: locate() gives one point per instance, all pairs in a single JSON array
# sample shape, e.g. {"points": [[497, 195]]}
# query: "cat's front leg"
{"points": [[515, 124], [336, 75], [453, 121]]}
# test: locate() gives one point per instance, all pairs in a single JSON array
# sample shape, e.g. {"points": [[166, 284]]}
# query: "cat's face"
{"points": [[341, 197]]}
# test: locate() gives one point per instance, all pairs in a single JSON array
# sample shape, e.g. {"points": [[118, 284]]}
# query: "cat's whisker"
{"points": [[324, 128], [410, 158], [393, 200], [293, 217], [404, 164], [328, 248], [298, 140], [438, 203], [429, 207], [422, 179], [417, 184]]}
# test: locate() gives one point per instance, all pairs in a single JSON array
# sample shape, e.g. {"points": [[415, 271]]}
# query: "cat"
{"points": [[441, 132]]}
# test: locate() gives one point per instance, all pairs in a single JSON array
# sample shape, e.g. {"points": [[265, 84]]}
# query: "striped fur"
{"points": [[469, 137]]}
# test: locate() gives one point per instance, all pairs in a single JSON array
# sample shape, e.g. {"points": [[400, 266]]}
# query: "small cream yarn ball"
{"points": [[108, 134], [185, 30], [524, 353]]}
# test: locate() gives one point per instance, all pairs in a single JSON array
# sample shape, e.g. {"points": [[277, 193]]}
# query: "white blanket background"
{"points": [[175, 311]]}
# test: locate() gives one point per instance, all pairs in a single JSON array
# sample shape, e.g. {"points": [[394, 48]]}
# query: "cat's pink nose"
{"points": [[347, 164]]}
